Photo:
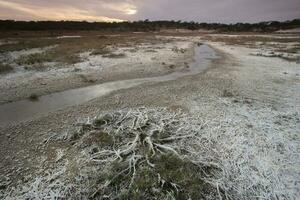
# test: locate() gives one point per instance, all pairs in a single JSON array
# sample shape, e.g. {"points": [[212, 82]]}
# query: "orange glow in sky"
{"points": [[34, 12]]}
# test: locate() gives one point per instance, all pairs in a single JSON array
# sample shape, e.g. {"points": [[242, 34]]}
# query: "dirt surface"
{"points": [[251, 102]]}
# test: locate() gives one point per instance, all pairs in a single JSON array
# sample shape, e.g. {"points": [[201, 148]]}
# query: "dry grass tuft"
{"points": [[101, 51], [114, 55], [227, 93], [87, 79], [37, 58]]}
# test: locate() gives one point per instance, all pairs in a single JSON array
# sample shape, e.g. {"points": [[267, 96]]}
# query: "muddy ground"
{"points": [[249, 96]]}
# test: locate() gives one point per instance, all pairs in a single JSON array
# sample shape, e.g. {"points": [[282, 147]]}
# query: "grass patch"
{"points": [[67, 50], [293, 50], [150, 51], [36, 66], [115, 55], [101, 51], [5, 68], [36, 58], [28, 43], [249, 40], [227, 93], [281, 56], [171, 177], [87, 79], [49, 56], [69, 59], [187, 175]]}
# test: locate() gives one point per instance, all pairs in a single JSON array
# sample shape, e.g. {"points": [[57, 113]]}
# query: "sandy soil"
{"points": [[251, 104]]}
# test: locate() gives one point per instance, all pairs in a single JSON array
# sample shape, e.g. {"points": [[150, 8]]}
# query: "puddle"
{"points": [[69, 36], [25, 110]]}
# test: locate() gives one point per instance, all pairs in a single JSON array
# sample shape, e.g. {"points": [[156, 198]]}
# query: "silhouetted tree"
{"points": [[145, 25]]}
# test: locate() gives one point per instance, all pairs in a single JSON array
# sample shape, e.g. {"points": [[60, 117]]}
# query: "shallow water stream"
{"points": [[25, 109]]}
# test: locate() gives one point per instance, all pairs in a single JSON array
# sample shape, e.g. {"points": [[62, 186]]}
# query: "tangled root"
{"points": [[140, 144], [140, 153]]}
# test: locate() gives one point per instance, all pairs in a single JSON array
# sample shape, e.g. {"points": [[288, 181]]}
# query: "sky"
{"points": [[223, 11]]}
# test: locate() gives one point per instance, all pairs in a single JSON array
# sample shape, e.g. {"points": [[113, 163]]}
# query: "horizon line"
{"points": [[128, 21]]}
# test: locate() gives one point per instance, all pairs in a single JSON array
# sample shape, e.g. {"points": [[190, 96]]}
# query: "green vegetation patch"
{"points": [[67, 51], [36, 58], [170, 177]]}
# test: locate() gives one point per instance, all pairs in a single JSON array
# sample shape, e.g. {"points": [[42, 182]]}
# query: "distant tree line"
{"points": [[146, 25]]}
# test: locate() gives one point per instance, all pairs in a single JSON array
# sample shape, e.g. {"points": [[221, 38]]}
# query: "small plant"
{"points": [[33, 97], [150, 51], [171, 66], [179, 50], [114, 55], [133, 50], [104, 37], [101, 51], [70, 59], [186, 65], [227, 93], [86, 79]]}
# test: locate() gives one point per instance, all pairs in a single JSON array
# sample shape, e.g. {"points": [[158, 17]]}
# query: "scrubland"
{"points": [[228, 132]]}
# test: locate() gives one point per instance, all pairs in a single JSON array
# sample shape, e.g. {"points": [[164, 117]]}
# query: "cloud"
{"points": [[121, 7], [117, 10], [57, 10], [219, 10]]}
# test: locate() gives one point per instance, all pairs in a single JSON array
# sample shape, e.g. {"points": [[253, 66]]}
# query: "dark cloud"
{"points": [[220, 10], [187, 10]]}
